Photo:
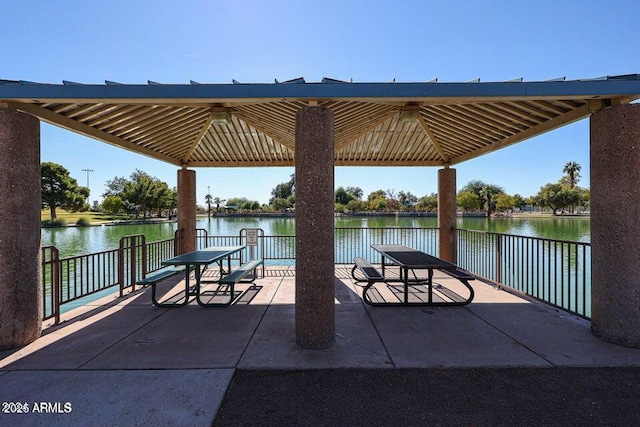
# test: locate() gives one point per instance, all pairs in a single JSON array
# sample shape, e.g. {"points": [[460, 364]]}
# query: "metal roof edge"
{"points": [[627, 85]]}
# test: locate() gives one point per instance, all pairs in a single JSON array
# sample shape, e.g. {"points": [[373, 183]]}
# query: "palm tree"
{"points": [[208, 200], [218, 201], [572, 169]]}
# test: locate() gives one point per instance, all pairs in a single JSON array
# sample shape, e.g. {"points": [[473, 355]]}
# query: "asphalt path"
{"points": [[435, 397]]}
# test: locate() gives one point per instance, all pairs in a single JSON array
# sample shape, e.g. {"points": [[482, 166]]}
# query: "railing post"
{"points": [[144, 267], [454, 244], [499, 260], [56, 285], [202, 234], [133, 259], [121, 266]]}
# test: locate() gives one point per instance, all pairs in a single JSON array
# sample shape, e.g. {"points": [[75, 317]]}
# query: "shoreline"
{"points": [[519, 215]]}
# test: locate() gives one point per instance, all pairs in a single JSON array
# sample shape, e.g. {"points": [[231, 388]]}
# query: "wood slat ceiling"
{"points": [[376, 131]]}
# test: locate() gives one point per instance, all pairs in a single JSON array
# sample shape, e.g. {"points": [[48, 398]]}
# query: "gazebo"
{"points": [[314, 127]]}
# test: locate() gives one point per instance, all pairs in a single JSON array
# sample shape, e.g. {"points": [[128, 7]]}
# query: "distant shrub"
{"points": [[56, 223], [82, 222]]}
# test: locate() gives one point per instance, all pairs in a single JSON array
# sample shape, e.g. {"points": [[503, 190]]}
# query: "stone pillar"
{"points": [[615, 228], [447, 208], [187, 209], [315, 276], [20, 268]]}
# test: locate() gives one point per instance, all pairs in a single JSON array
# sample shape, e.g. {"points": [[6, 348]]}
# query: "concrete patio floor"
{"points": [[126, 362]]}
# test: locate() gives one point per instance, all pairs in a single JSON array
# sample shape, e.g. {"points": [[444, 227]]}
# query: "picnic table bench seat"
{"points": [[230, 280], [459, 274], [157, 277], [367, 269], [239, 274], [372, 276], [160, 275]]}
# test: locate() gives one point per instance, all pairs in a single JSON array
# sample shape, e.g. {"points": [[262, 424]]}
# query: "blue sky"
{"points": [[368, 41]]}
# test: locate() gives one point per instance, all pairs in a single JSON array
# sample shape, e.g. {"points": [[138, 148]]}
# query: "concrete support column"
{"points": [[447, 207], [20, 269], [615, 228], [187, 209], [315, 276]]}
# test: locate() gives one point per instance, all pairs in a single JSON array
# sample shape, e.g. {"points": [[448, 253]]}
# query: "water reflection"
{"points": [[72, 241], [560, 228]]}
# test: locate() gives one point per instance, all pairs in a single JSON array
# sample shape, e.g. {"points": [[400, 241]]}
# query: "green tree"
{"points": [[378, 204], [115, 187], [572, 169], [428, 203], [244, 204], [488, 194], [557, 196], [356, 192], [208, 199], [532, 201], [172, 201], [285, 192], [237, 202], [468, 200], [161, 196], [112, 204], [585, 198], [406, 200], [60, 190], [519, 201], [392, 200], [218, 201], [355, 205], [377, 200], [285, 189], [551, 196], [142, 193], [376, 194], [505, 202], [485, 193], [280, 204], [342, 196]]}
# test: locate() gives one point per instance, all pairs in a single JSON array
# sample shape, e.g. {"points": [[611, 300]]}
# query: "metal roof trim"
{"points": [[487, 90]]}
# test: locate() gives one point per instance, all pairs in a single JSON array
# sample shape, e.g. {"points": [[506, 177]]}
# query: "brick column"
{"points": [[20, 269], [315, 276], [447, 208], [187, 209], [615, 228]]}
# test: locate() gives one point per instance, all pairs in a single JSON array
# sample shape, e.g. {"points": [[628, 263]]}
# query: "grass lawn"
{"points": [[72, 217]]}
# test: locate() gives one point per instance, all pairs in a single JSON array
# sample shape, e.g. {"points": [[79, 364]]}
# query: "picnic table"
{"points": [[198, 261], [408, 260]]}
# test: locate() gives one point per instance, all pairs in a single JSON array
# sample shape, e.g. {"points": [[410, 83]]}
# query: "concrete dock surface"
{"points": [[502, 360]]}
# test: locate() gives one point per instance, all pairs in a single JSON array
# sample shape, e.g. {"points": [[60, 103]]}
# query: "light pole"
{"points": [[209, 201], [87, 171]]}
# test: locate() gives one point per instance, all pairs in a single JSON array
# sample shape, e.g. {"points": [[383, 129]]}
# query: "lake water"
{"points": [[72, 241]]}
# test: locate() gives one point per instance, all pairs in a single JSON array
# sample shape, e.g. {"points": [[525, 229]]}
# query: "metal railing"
{"points": [[350, 242], [356, 242], [557, 272], [50, 283], [68, 279], [65, 280]]}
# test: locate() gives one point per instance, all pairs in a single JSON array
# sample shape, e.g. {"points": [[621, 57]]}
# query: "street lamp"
{"points": [[87, 171]]}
